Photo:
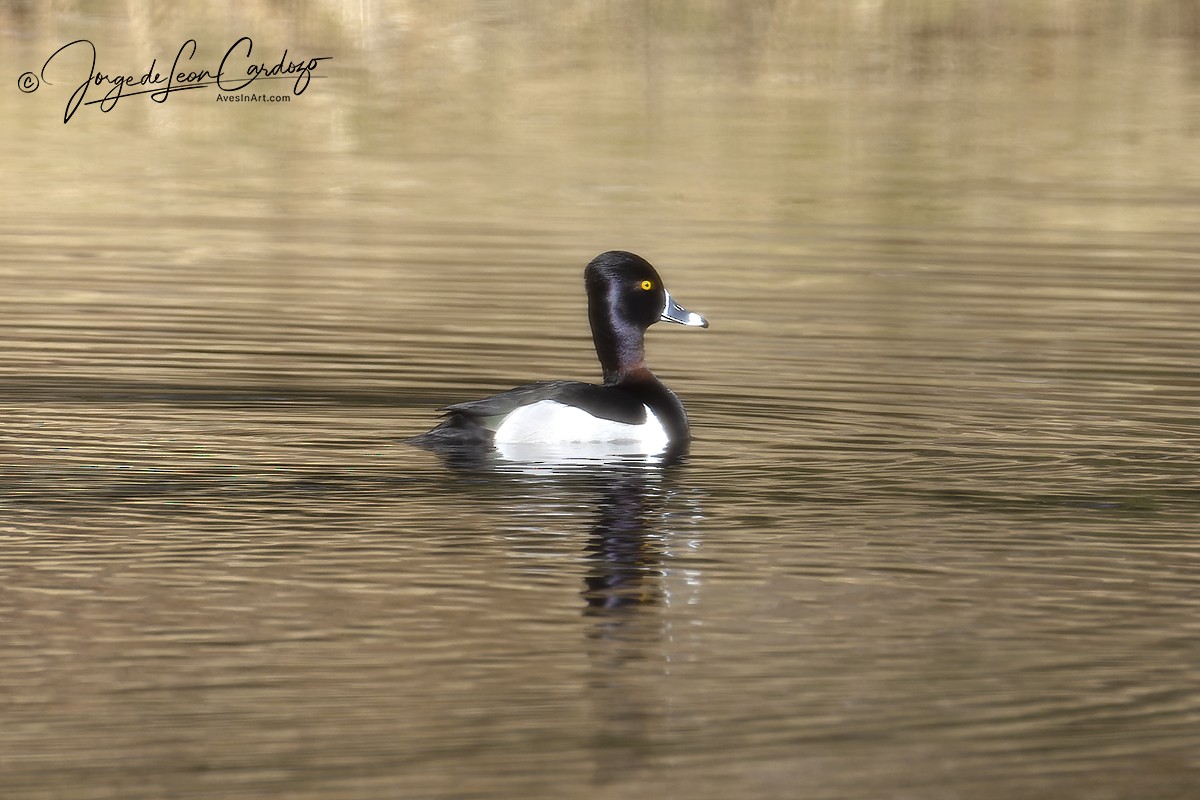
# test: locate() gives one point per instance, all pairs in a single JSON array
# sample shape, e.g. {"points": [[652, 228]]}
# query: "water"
{"points": [[936, 535]]}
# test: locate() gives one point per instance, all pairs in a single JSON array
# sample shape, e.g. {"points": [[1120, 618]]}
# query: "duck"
{"points": [[631, 407]]}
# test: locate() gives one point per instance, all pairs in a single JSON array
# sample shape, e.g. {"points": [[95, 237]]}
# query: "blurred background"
{"points": [[936, 534]]}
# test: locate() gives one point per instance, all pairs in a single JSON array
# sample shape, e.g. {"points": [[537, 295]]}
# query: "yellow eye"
{"points": [[647, 285]]}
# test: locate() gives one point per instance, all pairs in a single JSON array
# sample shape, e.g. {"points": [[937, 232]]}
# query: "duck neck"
{"points": [[621, 348]]}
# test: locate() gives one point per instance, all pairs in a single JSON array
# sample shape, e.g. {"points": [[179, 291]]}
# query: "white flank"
{"points": [[551, 422]]}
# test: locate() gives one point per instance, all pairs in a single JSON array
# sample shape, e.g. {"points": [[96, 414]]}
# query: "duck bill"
{"points": [[673, 312]]}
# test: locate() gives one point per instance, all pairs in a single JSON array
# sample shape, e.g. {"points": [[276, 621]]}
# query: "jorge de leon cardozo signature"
{"points": [[235, 72]]}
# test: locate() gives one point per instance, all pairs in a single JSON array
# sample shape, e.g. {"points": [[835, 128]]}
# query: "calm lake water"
{"points": [[938, 535]]}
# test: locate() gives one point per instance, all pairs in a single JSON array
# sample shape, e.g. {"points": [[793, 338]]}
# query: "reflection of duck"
{"points": [[624, 554], [640, 597], [628, 493], [625, 297], [635, 626]]}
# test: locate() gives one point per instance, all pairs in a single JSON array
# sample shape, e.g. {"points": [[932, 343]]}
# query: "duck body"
{"points": [[552, 412], [631, 407]]}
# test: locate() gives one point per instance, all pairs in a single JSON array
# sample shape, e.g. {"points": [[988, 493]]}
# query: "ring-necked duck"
{"points": [[625, 297]]}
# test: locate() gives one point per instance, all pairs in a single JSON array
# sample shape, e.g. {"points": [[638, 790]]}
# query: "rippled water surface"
{"points": [[936, 536]]}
